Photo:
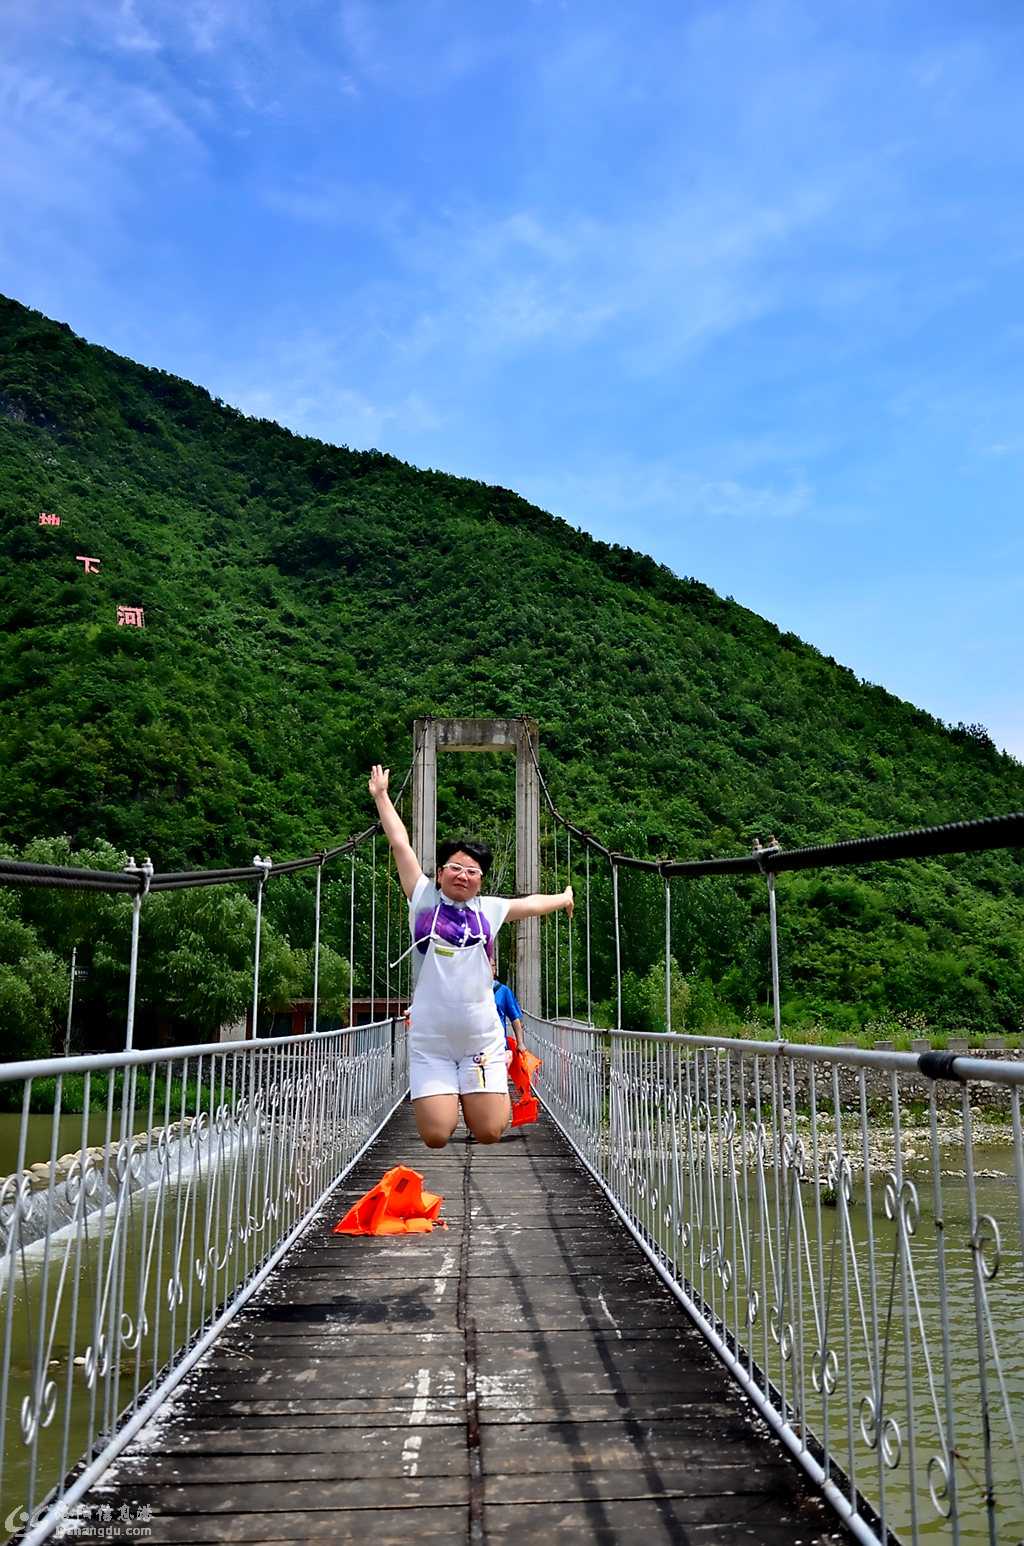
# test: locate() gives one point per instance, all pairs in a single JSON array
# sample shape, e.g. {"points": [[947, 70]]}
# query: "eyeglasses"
{"points": [[469, 870]]}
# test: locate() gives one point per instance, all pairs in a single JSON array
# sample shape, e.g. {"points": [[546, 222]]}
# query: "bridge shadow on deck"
{"points": [[523, 1375]]}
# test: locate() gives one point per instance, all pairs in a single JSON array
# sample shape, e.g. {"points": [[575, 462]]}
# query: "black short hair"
{"points": [[465, 845]]}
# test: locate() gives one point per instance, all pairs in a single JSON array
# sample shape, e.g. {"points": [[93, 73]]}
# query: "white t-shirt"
{"points": [[454, 944]]}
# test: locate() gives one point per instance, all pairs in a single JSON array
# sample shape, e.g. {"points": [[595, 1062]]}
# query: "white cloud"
{"points": [[313, 394], [656, 287], [422, 49], [130, 32], [332, 202], [616, 490]]}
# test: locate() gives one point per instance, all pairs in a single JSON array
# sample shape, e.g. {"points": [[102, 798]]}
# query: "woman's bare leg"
{"points": [[487, 1115], [437, 1117]]}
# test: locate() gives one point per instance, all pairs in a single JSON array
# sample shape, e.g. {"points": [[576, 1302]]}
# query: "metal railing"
{"points": [[187, 1176], [841, 1228]]}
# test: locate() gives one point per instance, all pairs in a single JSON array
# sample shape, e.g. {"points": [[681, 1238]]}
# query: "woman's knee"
{"points": [[488, 1129], [436, 1119], [489, 1134], [435, 1139], [487, 1116]]}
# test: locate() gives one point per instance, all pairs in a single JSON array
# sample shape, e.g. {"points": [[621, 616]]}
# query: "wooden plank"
{"points": [[621, 1366], [644, 1522], [714, 1426], [517, 1249], [572, 1305], [288, 1338], [606, 1407], [722, 1490], [336, 1412], [351, 1378], [371, 1444], [378, 1300], [386, 1526], [442, 1452], [253, 1496], [334, 1409]]}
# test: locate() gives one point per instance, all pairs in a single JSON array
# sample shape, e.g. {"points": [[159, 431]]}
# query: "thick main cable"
{"points": [[986, 832], [24, 872]]}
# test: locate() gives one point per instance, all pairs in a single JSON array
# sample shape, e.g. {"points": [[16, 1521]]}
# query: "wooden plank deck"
{"points": [[522, 1376]]}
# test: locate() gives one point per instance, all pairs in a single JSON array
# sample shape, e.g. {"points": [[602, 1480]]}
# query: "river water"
{"points": [[60, 1300], [888, 1319]]}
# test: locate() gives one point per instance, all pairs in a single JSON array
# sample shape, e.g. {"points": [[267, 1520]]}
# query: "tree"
{"points": [[33, 986]]}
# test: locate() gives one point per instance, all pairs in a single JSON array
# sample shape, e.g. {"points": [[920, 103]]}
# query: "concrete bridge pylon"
{"points": [[431, 736]]}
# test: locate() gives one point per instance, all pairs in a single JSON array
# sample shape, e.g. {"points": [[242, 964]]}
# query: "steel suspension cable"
{"points": [[569, 923], [618, 945], [590, 1002], [404, 967], [387, 936], [668, 955], [138, 878], [316, 948], [373, 926], [554, 850], [264, 867], [352, 940], [545, 929], [985, 833]]}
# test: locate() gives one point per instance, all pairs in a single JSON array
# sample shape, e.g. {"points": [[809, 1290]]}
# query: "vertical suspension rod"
{"points": [[773, 924], [316, 948], [618, 946], [568, 881], [264, 865], [352, 940], [590, 1006], [668, 955], [145, 869]]}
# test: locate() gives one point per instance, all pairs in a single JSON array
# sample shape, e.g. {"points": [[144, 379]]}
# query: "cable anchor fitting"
{"points": [[145, 869], [773, 846]]}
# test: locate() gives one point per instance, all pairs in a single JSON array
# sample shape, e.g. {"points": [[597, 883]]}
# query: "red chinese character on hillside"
{"points": [[47, 518], [130, 617], [92, 565]]}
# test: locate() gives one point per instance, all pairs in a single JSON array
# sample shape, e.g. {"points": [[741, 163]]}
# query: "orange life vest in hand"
{"points": [[397, 1205], [521, 1071]]}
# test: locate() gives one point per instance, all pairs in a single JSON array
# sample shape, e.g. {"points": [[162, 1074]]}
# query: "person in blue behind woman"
{"points": [[510, 1014], [456, 1042]]}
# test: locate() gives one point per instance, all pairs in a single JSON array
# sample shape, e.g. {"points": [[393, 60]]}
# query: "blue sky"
{"points": [[739, 284]]}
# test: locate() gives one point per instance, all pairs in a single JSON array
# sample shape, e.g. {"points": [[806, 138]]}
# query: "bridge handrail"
{"points": [[954, 1066], [849, 1259], [122, 1259], [100, 1062]]}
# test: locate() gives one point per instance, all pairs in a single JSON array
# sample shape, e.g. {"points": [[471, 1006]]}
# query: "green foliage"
{"points": [[33, 986], [696, 1005], [169, 1094], [305, 602], [195, 962]]}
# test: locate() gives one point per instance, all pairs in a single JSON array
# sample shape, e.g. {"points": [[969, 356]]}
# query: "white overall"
{"points": [[456, 1043]]}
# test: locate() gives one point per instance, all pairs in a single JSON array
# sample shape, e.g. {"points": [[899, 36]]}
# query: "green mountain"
{"points": [[303, 602]]}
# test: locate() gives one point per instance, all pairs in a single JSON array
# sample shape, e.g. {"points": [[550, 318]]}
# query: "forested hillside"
{"points": [[304, 602]]}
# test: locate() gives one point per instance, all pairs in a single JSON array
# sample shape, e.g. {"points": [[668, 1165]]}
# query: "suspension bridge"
{"points": [[723, 1291]]}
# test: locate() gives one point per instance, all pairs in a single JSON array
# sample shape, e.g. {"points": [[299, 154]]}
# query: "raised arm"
{"points": [[409, 869], [540, 903]]}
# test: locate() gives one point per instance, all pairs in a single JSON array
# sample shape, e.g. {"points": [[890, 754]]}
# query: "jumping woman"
{"points": [[456, 1042]]}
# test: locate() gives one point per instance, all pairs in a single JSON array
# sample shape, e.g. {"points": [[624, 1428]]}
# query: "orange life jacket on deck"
{"points": [[397, 1205]]}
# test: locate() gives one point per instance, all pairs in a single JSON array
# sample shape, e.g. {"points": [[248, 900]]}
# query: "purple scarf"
{"points": [[458, 926]]}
